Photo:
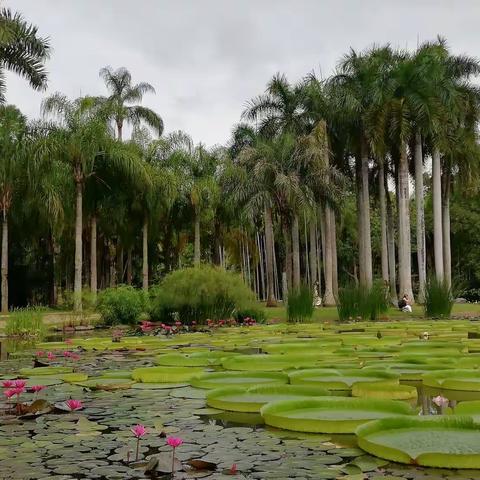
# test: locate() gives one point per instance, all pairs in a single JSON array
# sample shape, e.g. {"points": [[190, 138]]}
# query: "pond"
{"points": [[96, 442]]}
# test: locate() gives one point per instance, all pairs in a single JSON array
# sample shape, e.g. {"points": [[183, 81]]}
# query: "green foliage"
{"points": [[300, 304], [357, 301], [200, 293], [257, 314], [88, 299], [438, 299], [25, 322], [122, 304]]}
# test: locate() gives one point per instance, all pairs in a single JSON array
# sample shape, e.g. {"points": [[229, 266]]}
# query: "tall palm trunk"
{"points": [[404, 248], [93, 257], [269, 244], [5, 262], [313, 252], [447, 255], [129, 266], [391, 246], [119, 129], [145, 254], [196, 250], [329, 298], [437, 214], [333, 235], [296, 252], [288, 258], [77, 283], [383, 220], [419, 201], [365, 243], [55, 273]]}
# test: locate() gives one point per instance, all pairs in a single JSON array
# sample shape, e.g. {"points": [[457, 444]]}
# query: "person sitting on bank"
{"points": [[404, 304]]}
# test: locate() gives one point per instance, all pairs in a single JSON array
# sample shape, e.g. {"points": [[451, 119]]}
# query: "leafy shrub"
{"points": [[254, 313], [471, 295], [438, 299], [88, 299], [358, 301], [25, 322], [200, 293], [300, 304], [122, 304]]}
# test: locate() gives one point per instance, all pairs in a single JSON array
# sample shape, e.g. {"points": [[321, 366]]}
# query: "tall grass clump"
{"points": [[201, 293], [121, 305], [300, 304], [356, 301], [25, 322], [438, 299]]}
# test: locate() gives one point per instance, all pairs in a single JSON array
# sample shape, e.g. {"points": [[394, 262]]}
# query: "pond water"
{"points": [[96, 442]]}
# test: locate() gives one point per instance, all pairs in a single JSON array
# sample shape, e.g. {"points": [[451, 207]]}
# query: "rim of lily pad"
{"points": [[51, 370], [252, 399], [270, 362], [384, 391], [165, 374], [436, 441], [237, 379], [330, 414], [194, 359], [465, 380], [341, 379]]}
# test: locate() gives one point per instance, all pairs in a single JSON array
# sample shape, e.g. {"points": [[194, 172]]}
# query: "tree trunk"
{"points": [[365, 244], [5, 263], [288, 258], [120, 265], [93, 257], [77, 284], [383, 221], [437, 214], [313, 253], [196, 250], [112, 265], [333, 234], [119, 129], [391, 246], [404, 247], [447, 254], [296, 252], [55, 273], [145, 255], [419, 201], [269, 244], [129, 266], [329, 298]]}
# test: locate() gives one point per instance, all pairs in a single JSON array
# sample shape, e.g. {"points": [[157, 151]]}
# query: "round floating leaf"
{"points": [[329, 415], [384, 390], [35, 372], [270, 363], [239, 379], [197, 359], [437, 441], [465, 380], [340, 379], [109, 384], [73, 377], [252, 399], [165, 374]]}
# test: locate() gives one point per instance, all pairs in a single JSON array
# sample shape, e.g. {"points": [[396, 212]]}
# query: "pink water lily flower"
{"points": [[75, 357], [67, 354], [139, 430], [51, 356], [74, 404], [440, 401], [174, 441], [40, 353], [37, 388], [8, 384], [20, 383], [10, 392]]}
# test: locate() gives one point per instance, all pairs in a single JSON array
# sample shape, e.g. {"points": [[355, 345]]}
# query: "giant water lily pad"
{"points": [[252, 399], [444, 442], [329, 415], [196, 359], [340, 379], [165, 374], [465, 380], [239, 379], [31, 372], [271, 363], [384, 390], [109, 384]]}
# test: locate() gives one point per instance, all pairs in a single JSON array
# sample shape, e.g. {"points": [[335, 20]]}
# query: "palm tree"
{"points": [[21, 51], [117, 106], [13, 130]]}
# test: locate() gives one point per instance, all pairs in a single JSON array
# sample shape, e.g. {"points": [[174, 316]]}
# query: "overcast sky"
{"points": [[206, 58]]}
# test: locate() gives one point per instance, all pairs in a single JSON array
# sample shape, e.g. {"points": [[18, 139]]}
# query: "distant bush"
{"points": [[25, 322], [254, 313], [438, 299], [471, 295], [121, 305], [357, 301], [200, 293], [300, 304], [88, 299]]}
